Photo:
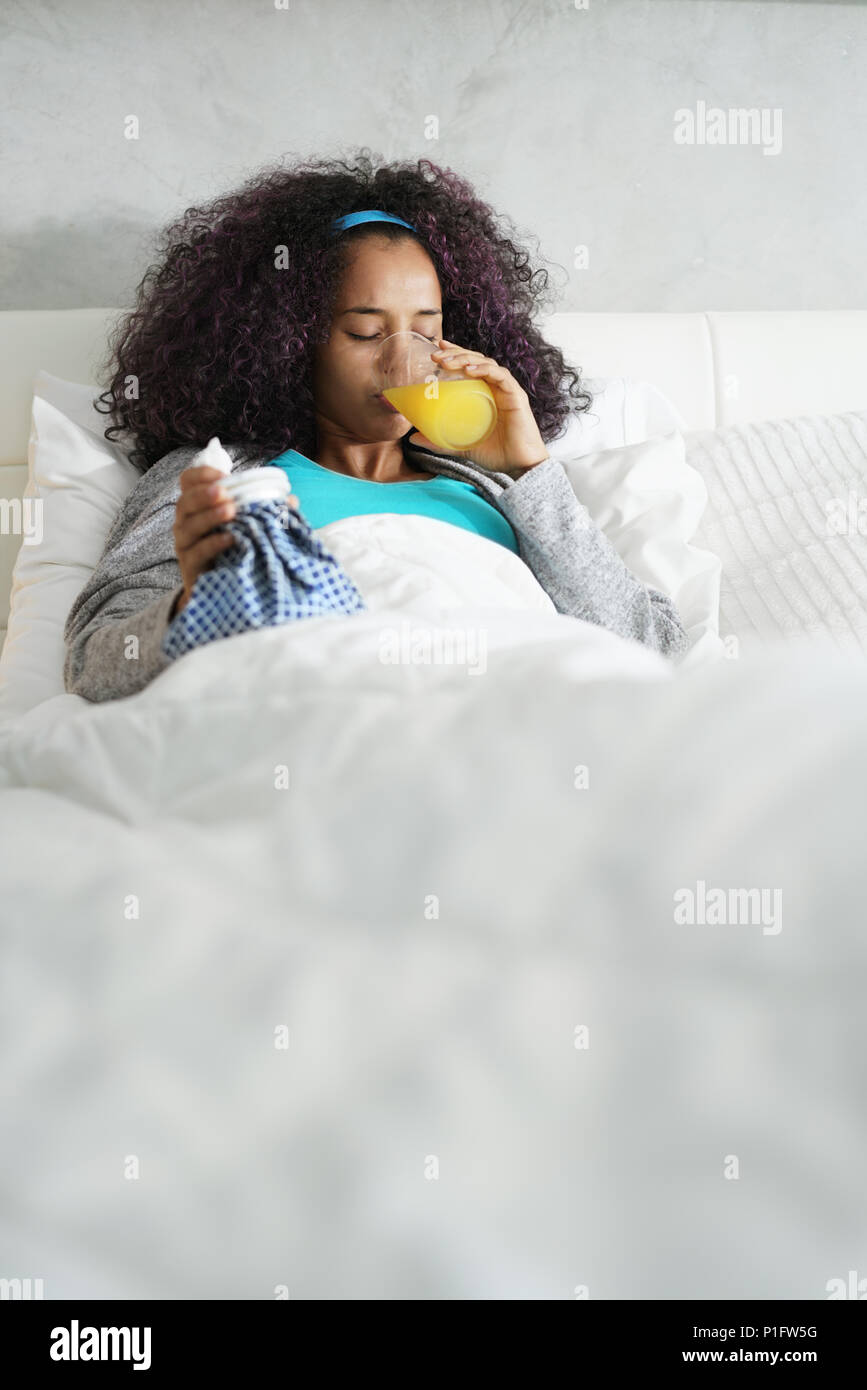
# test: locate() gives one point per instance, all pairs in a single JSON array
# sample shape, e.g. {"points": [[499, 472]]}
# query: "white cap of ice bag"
{"points": [[250, 485]]}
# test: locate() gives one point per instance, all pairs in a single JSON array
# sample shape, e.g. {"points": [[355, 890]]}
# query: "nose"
{"points": [[387, 361], [389, 355]]}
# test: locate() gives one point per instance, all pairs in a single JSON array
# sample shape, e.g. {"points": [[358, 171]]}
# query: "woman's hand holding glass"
{"points": [[515, 443]]}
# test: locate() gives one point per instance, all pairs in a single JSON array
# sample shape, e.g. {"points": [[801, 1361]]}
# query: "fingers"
{"points": [[198, 555], [195, 496], [459, 359], [474, 364], [190, 525], [194, 477], [202, 506]]}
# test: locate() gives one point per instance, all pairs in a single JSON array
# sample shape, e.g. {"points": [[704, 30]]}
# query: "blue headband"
{"points": [[369, 215]]}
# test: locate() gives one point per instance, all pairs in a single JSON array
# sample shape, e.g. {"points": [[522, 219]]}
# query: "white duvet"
{"points": [[345, 960]]}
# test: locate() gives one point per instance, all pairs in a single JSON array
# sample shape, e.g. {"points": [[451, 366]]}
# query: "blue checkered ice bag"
{"points": [[277, 571]]}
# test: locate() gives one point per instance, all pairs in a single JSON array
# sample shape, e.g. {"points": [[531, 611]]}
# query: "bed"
{"points": [[536, 974]]}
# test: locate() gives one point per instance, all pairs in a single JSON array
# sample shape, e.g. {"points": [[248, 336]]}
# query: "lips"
{"points": [[382, 401]]}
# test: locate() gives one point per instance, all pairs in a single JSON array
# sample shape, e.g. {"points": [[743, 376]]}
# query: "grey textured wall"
{"points": [[562, 112]]}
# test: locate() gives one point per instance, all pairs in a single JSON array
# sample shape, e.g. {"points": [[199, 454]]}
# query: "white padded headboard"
{"points": [[716, 368]]}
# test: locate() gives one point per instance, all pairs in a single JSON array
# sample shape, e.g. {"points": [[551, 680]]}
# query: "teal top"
{"points": [[324, 496]]}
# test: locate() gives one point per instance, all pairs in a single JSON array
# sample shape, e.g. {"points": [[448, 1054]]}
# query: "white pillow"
{"points": [[77, 483], [82, 481], [622, 412], [76, 402], [649, 502]]}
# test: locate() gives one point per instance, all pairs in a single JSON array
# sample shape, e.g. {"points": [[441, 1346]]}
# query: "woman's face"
{"points": [[388, 287]]}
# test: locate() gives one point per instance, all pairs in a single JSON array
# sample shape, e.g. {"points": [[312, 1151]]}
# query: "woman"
{"points": [[259, 324]]}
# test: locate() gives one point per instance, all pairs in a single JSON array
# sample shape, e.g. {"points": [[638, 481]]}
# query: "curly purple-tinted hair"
{"points": [[221, 335]]}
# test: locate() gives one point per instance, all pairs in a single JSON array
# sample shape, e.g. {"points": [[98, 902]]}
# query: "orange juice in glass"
{"points": [[452, 411]]}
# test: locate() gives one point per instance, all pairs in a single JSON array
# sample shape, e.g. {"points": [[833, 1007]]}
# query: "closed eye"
{"points": [[361, 338]]}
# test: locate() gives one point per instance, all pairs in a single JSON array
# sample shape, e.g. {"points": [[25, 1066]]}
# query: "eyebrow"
{"points": [[368, 309]]}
